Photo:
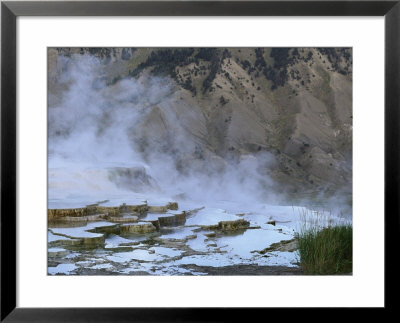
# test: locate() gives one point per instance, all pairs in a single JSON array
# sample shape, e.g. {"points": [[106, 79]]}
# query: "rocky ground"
{"points": [[248, 270], [236, 270]]}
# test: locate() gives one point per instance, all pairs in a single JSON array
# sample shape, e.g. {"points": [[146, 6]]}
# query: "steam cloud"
{"points": [[108, 140]]}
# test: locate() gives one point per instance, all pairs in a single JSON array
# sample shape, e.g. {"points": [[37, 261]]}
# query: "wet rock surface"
{"points": [[165, 239]]}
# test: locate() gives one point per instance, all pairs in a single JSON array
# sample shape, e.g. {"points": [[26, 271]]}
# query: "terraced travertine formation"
{"points": [[129, 239]]}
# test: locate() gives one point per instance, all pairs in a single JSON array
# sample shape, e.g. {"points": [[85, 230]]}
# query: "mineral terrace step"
{"points": [[122, 219], [113, 211], [228, 225], [140, 227]]}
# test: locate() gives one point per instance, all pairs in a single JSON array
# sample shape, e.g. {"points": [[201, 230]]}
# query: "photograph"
{"points": [[152, 150], [199, 161]]}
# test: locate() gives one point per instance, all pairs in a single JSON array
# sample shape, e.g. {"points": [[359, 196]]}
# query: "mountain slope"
{"points": [[224, 105]]}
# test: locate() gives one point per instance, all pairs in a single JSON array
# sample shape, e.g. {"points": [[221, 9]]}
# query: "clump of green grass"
{"points": [[327, 251]]}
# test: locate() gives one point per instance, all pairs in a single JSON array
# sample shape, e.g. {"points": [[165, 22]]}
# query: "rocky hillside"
{"points": [[294, 104]]}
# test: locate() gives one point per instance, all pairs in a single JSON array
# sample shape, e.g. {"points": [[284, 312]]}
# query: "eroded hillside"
{"points": [[220, 106]]}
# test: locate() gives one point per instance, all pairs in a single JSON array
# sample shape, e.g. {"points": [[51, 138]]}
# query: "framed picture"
{"points": [[212, 149]]}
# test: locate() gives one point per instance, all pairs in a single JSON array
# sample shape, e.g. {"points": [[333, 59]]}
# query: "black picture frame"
{"points": [[10, 10]]}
